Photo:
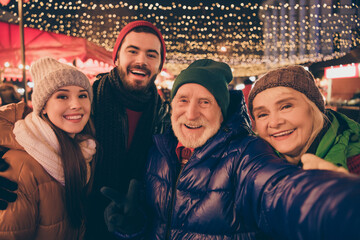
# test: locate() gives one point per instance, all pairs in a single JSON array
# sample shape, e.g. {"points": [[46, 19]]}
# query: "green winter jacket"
{"points": [[340, 141]]}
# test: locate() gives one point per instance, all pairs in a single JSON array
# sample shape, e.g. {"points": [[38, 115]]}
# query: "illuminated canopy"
{"points": [[40, 44]]}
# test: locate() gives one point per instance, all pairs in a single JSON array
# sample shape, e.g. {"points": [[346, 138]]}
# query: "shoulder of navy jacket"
{"points": [[226, 129]]}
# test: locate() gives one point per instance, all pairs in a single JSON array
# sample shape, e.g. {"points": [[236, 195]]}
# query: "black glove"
{"points": [[124, 215], [6, 187]]}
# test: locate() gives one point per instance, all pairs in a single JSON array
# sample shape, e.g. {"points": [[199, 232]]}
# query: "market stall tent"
{"points": [[87, 56]]}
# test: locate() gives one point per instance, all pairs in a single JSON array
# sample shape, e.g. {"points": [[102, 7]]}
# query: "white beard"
{"points": [[192, 141]]}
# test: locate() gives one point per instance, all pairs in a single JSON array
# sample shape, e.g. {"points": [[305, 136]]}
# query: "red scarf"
{"points": [[183, 153]]}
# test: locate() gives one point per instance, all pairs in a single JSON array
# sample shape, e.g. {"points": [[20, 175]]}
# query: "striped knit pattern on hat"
{"points": [[48, 75], [296, 77], [128, 28]]}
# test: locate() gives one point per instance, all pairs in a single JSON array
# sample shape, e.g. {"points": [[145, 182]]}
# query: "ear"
{"points": [[117, 59]]}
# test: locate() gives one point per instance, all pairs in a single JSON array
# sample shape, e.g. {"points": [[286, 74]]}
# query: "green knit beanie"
{"points": [[214, 76]]}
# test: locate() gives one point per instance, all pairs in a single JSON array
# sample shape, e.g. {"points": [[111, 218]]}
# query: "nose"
{"points": [[276, 120], [141, 59], [192, 112], [75, 103]]}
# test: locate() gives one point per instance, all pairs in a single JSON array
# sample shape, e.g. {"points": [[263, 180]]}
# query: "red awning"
{"points": [[41, 43]]}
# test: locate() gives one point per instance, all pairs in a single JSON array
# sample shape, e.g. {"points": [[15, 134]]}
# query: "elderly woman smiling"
{"points": [[289, 113]]}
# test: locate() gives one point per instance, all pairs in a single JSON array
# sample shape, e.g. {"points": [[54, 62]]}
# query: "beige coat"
{"points": [[39, 211]]}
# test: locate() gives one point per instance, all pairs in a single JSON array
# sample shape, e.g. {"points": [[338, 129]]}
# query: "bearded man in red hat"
{"points": [[127, 111]]}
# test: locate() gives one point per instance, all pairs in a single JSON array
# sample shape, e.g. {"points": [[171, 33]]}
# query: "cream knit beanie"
{"points": [[49, 75]]}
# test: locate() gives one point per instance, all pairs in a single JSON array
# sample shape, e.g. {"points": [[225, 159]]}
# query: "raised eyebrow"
{"points": [[153, 51], [277, 102], [285, 100], [66, 90], [182, 96], [62, 90], [137, 48], [83, 92], [259, 108], [206, 99], [133, 46]]}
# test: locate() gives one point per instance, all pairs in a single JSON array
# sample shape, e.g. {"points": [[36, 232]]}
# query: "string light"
{"points": [[194, 30]]}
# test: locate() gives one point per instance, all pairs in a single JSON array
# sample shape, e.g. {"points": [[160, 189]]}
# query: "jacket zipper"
{"points": [[170, 211]]}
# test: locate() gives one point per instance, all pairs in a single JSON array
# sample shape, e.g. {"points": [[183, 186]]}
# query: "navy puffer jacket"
{"points": [[235, 187]]}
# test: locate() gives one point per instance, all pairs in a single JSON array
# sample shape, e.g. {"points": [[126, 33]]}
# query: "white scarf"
{"points": [[40, 142]]}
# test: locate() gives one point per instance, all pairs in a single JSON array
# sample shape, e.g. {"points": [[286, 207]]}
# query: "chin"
{"points": [[193, 143], [74, 131]]}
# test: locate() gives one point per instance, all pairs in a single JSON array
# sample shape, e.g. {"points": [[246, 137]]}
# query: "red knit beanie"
{"points": [[129, 27]]}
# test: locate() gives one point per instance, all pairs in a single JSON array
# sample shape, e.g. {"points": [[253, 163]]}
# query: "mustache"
{"points": [[198, 122], [140, 67]]}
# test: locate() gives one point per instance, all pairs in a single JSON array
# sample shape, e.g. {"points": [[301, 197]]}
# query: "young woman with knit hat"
{"points": [[289, 113], [50, 155]]}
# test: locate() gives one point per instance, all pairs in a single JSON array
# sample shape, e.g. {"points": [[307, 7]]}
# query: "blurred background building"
{"points": [[309, 30]]}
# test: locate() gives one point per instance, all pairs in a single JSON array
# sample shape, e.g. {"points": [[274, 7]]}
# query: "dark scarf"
{"points": [[115, 165]]}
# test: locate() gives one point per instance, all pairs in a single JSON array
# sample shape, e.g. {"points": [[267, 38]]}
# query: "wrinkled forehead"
{"points": [[276, 96], [194, 90]]}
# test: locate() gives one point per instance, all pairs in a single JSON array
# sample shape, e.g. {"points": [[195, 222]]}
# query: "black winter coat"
{"points": [[113, 169]]}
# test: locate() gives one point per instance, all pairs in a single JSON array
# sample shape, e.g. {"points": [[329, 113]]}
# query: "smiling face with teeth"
{"points": [[285, 119], [68, 108], [196, 116], [138, 60]]}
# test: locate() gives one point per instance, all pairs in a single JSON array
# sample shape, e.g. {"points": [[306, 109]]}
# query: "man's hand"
{"points": [[123, 214], [6, 187], [311, 161]]}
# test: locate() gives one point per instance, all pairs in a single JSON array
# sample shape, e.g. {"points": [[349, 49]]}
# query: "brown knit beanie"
{"points": [[295, 77], [49, 75]]}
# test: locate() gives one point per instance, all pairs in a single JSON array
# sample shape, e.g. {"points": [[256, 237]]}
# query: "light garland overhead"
{"points": [[229, 31]]}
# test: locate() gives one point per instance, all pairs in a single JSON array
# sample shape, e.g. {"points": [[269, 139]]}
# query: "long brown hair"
{"points": [[75, 170]]}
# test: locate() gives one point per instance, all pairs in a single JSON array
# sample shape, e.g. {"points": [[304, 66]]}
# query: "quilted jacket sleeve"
{"points": [[289, 203], [39, 211], [20, 219], [9, 114]]}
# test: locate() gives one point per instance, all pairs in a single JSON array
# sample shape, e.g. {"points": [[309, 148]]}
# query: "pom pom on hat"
{"points": [[49, 75], [295, 77], [214, 76]]}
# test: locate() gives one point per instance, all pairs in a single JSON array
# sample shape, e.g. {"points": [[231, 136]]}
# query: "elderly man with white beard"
{"points": [[209, 177]]}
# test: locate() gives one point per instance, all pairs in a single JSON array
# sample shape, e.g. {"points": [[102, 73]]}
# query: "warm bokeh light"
{"points": [[194, 30]]}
